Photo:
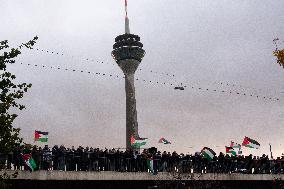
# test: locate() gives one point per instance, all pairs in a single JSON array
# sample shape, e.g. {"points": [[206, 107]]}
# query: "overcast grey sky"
{"points": [[202, 42]]}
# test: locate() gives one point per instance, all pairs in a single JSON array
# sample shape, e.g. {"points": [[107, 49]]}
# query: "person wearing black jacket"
{"points": [[78, 157], [111, 157], [55, 157], [17, 157], [46, 158], [117, 160], [61, 158], [36, 155], [85, 159]]}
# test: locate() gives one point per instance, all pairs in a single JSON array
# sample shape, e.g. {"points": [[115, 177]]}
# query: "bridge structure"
{"points": [[114, 175], [110, 179]]}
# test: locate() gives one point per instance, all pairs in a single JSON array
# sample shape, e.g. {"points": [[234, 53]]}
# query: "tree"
{"points": [[278, 53], [10, 93]]}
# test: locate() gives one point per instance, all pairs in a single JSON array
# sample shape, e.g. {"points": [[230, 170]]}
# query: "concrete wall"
{"points": [[105, 175]]}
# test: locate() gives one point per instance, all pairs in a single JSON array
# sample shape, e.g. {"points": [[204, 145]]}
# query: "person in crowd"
{"points": [[55, 151], [117, 160], [73, 159], [46, 158], [61, 153], [37, 156], [17, 158], [111, 157]]}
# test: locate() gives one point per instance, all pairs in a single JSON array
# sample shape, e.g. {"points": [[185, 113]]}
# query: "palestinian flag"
{"points": [[41, 136], [230, 150], [235, 145], [208, 153], [150, 164], [164, 141], [137, 142], [250, 143], [29, 161]]}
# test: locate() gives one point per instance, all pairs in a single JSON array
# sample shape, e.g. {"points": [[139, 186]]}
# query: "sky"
{"points": [[203, 43]]}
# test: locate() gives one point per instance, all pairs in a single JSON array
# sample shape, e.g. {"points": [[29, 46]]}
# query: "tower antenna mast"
{"points": [[127, 29]]}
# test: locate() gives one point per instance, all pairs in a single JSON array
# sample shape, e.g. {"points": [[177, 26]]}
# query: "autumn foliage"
{"points": [[278, 53]]}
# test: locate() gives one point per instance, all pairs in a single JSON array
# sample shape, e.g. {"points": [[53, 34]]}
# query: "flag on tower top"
{"points": [[248, 142], [41, 136]]}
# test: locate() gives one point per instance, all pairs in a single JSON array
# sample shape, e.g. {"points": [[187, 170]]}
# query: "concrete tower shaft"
{"points": [[128, 53]]}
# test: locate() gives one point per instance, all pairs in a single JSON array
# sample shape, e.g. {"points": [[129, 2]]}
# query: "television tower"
{"points": [[128, 53]]}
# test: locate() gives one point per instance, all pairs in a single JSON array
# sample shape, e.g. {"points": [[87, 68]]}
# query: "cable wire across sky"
{"points": [[172, 85], [170, 75], [93, 60]]}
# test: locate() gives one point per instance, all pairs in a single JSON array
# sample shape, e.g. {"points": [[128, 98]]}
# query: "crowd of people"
{"points": [[95, 159]]}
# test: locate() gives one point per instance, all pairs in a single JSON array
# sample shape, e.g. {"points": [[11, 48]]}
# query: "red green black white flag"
{"points": [[164, 141], [250, 143], [137, 142], [235, 145], [230, 150], [208, 153], [29, 161], [41, 136]]}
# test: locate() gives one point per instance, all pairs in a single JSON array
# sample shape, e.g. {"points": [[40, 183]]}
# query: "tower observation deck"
{"points": [[128, 53]]}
